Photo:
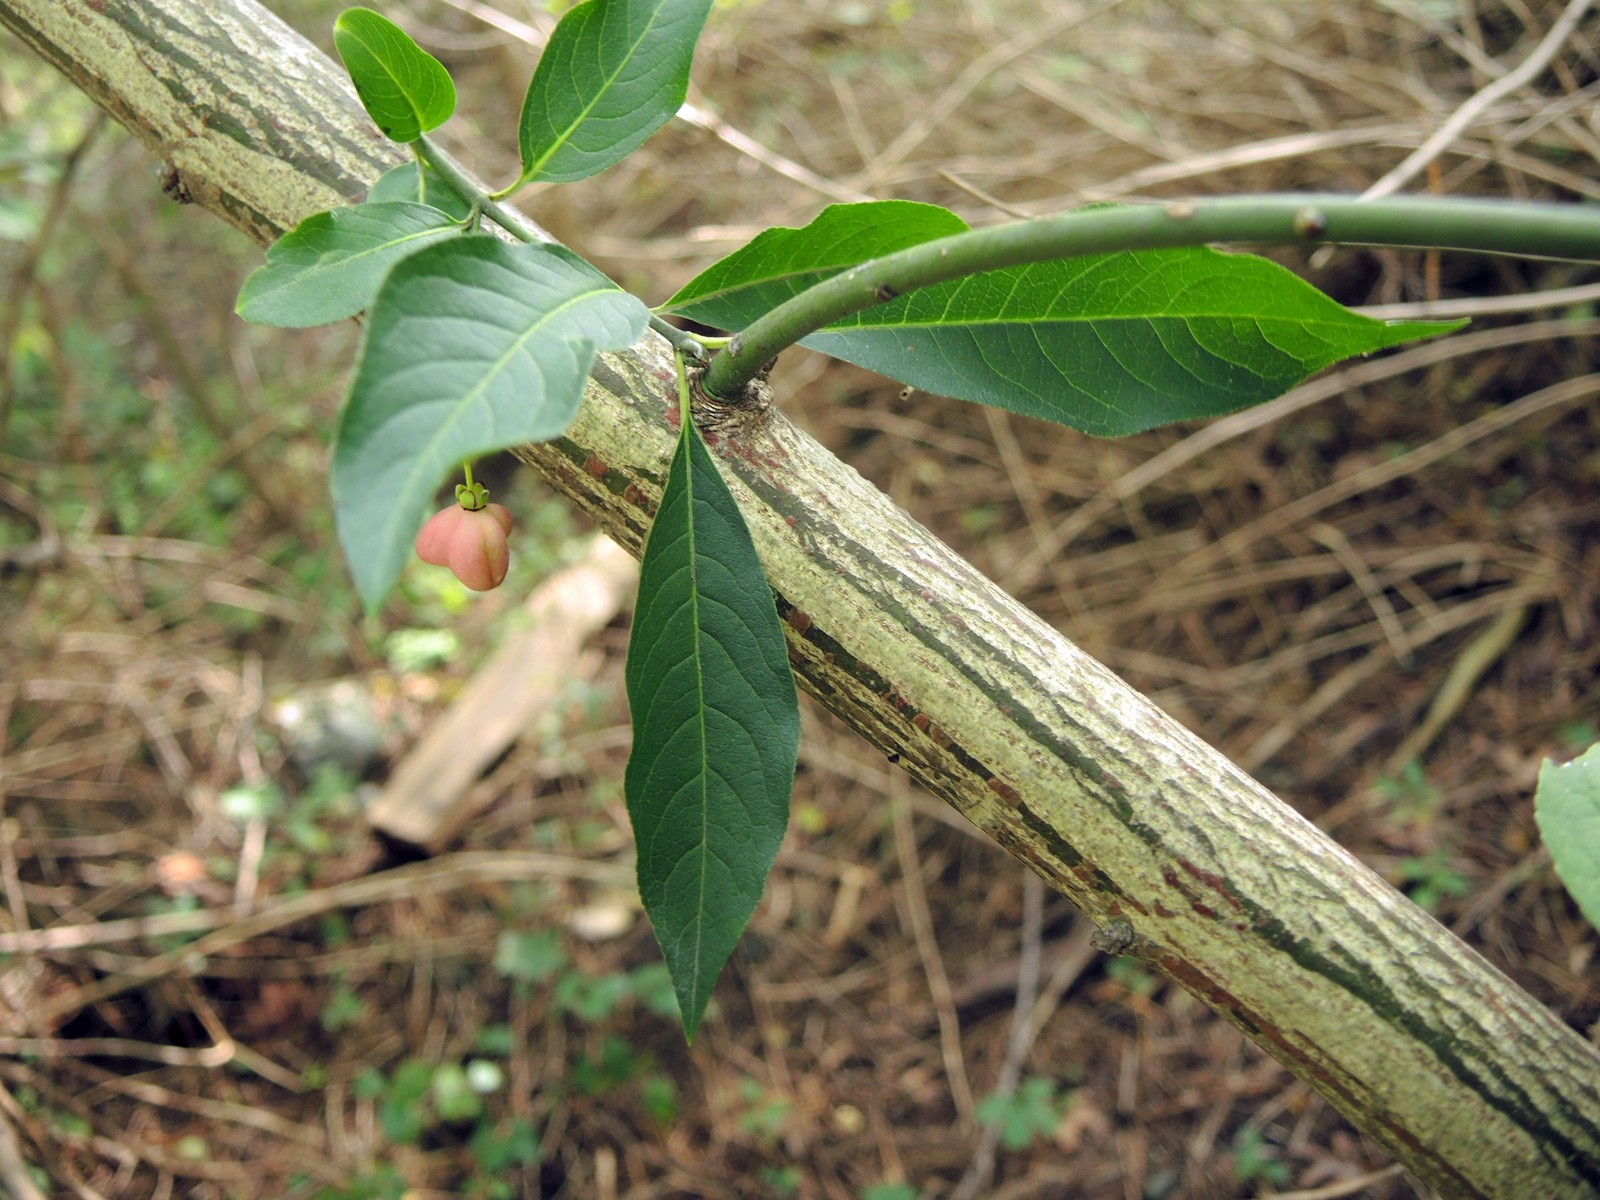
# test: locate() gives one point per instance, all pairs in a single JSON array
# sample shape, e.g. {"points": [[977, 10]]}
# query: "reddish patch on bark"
{"points": [[1005, 791], [1217, 996], [730, 444], [1213, 881], [1177, 885], [799, 621], [595, 467]]}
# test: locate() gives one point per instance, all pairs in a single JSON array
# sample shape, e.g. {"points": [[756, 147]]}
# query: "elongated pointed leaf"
{"points": [[715, 726], [330, 265], [1109, 344], [1567, 807], [405, 90], [419, 184], [781, 263], [612, 73], [1115, 344], [472, 345]]}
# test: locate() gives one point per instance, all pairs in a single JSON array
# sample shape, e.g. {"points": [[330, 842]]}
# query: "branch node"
{"points": [[1310, 223], [173, 186], [1114, 937], [729, 414]]}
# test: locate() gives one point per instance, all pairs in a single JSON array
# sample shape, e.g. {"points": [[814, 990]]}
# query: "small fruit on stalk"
{"points": [[469, 537]]}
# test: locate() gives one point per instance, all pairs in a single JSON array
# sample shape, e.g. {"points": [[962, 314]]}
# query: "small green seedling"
{"points": [[1033, 1110]]}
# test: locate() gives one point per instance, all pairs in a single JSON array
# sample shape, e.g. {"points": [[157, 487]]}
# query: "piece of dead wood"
{"points": [[428, 798]]}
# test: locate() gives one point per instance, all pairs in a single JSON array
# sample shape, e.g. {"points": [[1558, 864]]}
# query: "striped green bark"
{"points": [[1476, 1087]]}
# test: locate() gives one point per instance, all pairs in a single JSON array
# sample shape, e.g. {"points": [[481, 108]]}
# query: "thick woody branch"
{"points": [[1476, 1087]]}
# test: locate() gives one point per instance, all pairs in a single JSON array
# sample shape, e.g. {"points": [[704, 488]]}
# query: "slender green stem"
{"points": [[1570, 231], [471, 495], [510, 188], [422, 176], [524, 230], [508, 219], [685, 416], [682, 342]]}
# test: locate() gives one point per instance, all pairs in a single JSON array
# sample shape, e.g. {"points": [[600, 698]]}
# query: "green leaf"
{"points": [[330, 265], [472, 346], [1031, 1111], [405, 90], [1118, 343], [591, 999], [1567, 808], [497, 1147], [891, 1191], [781, 263], [403, 1113], [612, 73], [1107, 344], [716, 727], [529, 957], [453, 1097], [420, 184]]}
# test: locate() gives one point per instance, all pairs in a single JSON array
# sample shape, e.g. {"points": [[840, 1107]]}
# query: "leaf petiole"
{"points": [[422, 173], [469, 190], [683, 344]]}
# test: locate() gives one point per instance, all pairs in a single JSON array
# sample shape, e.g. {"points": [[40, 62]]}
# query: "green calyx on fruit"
{"points": [[471, 496]]}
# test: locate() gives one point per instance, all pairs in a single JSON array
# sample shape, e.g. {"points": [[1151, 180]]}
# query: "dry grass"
{"points": [[1378, 594]]}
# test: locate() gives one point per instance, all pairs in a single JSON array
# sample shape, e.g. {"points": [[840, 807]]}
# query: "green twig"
{"points": [[524, 230], [681, 341], [513, 222], [1570, 231], [685, 418]]}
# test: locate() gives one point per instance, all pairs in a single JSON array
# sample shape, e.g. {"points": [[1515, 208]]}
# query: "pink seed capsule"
{"points": [[471, 543]]}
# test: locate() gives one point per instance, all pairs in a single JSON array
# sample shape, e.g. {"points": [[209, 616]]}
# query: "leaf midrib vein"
{"points": [[687, 420]]}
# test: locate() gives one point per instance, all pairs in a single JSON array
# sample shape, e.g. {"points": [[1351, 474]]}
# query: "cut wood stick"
{"points": [[430, 795]]}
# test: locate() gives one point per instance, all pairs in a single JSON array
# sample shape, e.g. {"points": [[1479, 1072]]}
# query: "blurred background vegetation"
{"points": [[1380, 598]]}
